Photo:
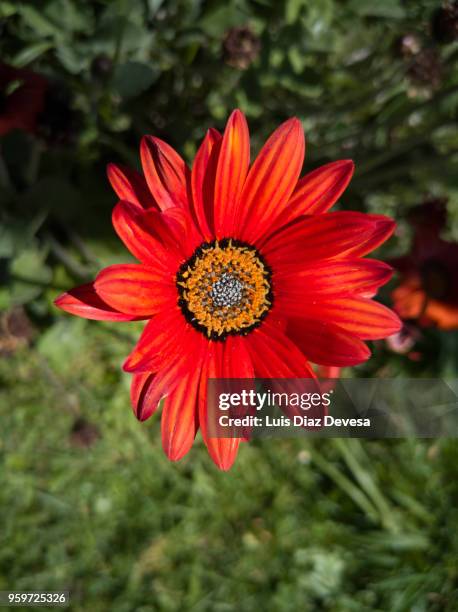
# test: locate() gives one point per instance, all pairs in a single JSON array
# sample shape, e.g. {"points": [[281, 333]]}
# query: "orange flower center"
{"points": [[225, 288]]}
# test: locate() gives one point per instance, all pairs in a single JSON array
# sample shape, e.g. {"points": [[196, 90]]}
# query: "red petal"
{"points": [[142, 234], [332, 277], [166, 173], [229, 360], [179, 421], [158, 386], [175, 231], [135, 289], [166, 336], [83, 301], [327, 344], [140, 394], [360, 316], [232, 168], [274, 355], [271, 180], [175, 366], [236, 358], [328, 372], [382, 230], [317, 237], [317, 191], [237, 364], [159, 340], [130, 185], [203, 181]]}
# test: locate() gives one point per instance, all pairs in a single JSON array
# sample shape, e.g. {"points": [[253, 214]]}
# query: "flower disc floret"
{"points": [[225, 288]]}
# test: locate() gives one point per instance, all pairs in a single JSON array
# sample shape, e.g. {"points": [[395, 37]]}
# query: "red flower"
{"points": [[241, 274], [428, 291], [22, 97]]}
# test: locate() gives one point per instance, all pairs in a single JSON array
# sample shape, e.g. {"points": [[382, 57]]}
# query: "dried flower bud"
{"points": [[16, 330], [101, 66], [240, 47], [84, 434], [407, 46], [426, 69]]}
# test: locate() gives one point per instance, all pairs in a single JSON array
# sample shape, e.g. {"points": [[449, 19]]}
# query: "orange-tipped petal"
{"points": [[203, 181], [327, 344], [83, 301], [166, 173], [231, 171], [130, 185], [317, 191], [135, 289], [271, 180]]}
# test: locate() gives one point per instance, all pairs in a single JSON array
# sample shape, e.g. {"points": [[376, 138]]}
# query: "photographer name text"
{"points": [[296, 421]]}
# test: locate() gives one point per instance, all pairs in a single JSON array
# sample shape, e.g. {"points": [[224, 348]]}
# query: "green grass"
{"points": [[325, 525]]}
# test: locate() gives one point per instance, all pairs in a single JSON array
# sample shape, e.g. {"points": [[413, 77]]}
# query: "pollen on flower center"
{"points": [[225, 288]]}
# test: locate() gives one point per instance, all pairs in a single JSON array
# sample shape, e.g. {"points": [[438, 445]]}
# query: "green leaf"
{"points": [[7, 9], [133, 78], [296, 58], [55, 194], [40, 24], [29, 276], [374, 8], [71, 16], [154, 6], [70, 59], [63, 342], [31, 53], [14, 237], [216, 22], [293, 9]]}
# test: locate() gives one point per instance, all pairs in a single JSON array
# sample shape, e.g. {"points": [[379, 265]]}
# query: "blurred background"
{"points": [[88, 502]]}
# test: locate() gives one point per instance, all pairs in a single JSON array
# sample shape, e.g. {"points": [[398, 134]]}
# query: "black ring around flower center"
{"points": [[225, 288]]}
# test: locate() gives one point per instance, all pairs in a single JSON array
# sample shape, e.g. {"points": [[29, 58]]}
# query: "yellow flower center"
{"points": [[224, 288]]}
